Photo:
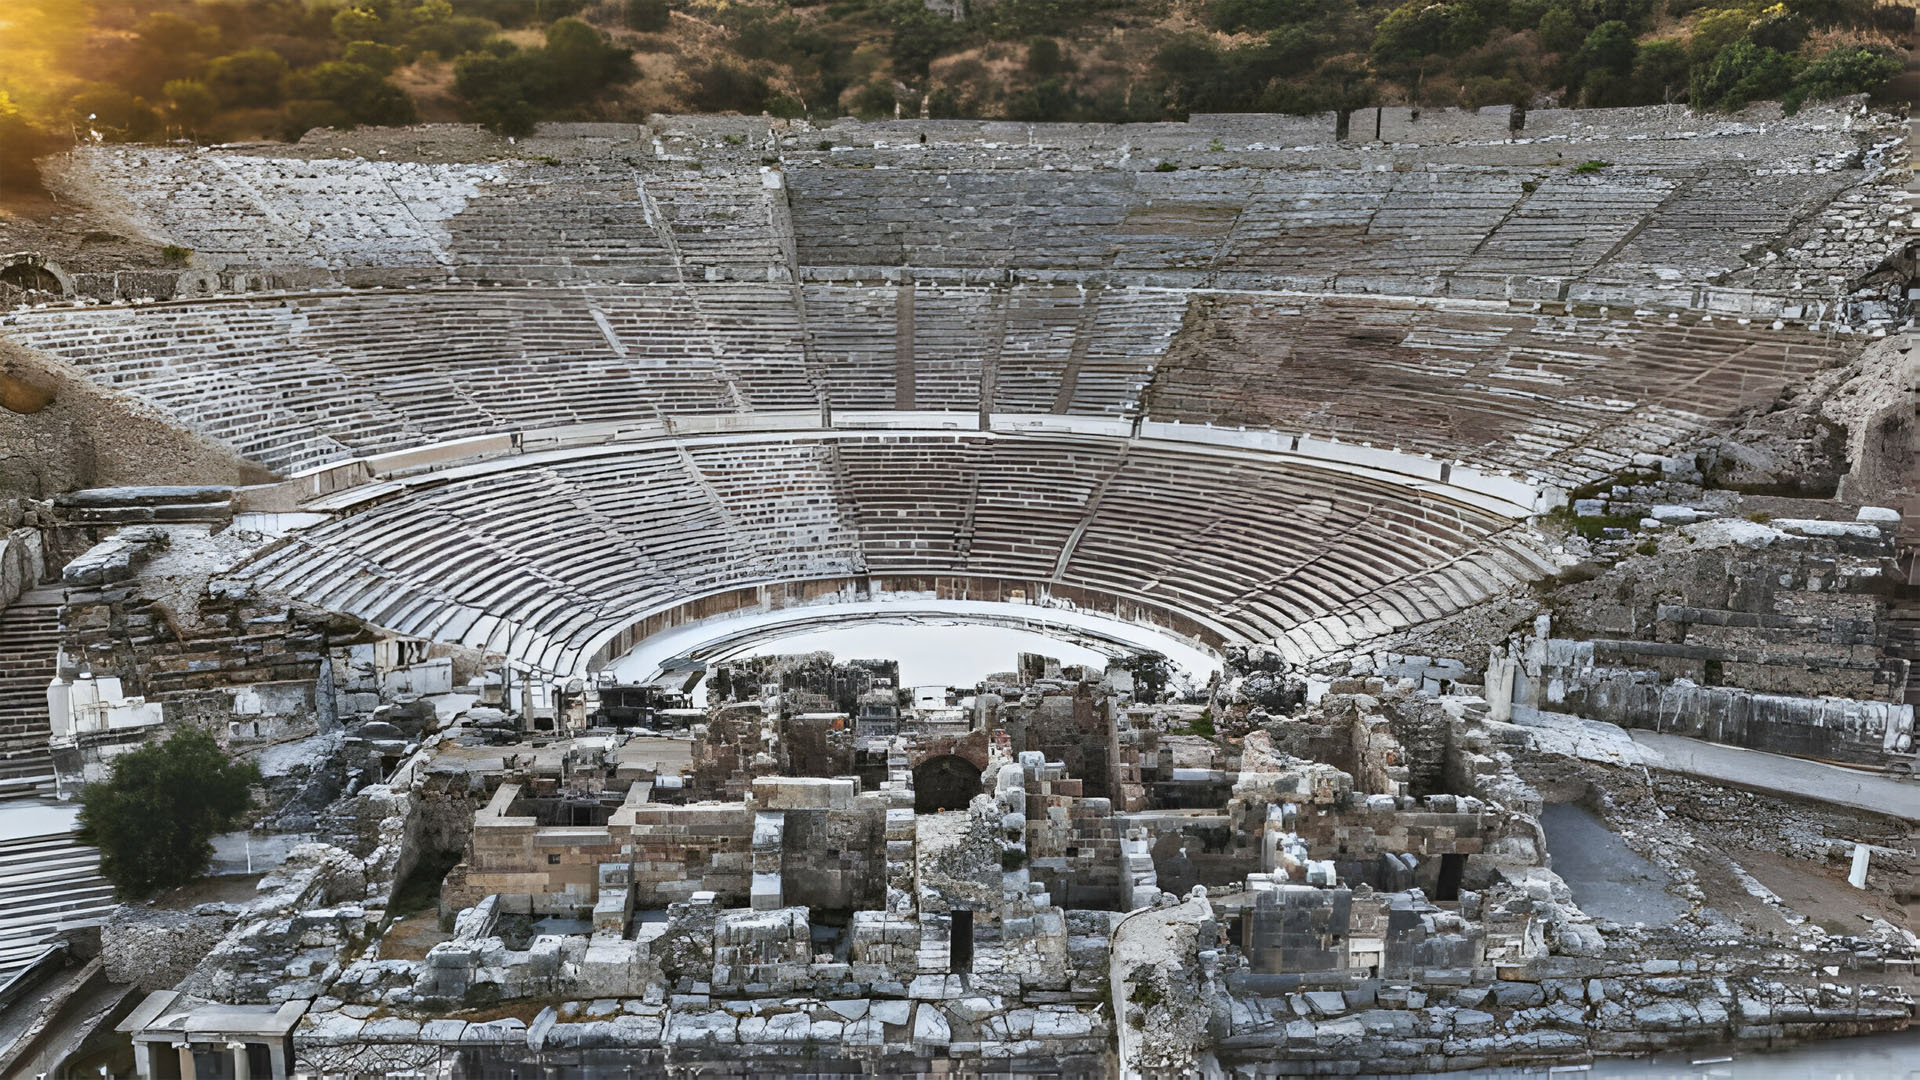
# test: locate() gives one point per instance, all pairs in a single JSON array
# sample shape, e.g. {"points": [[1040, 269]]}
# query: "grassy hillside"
{"points": [[219, 70]]}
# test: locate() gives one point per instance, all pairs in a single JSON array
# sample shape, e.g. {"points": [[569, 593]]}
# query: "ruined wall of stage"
{"points": [[817, 843], [1776, 635], [153, 634]]}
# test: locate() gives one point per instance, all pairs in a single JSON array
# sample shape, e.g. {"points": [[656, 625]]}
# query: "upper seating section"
{"points": [[264, 219], [543, 557], [1648, 205], [1654, 203], [1563, 396]]}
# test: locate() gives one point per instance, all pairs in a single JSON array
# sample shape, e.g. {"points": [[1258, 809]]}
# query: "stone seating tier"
{"points": [[298, 381], [543, 559], [1429, 203]]}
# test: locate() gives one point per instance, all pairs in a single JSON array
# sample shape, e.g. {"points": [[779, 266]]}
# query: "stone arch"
{"points": [[32, 273], [975, 747], [947, 782]]}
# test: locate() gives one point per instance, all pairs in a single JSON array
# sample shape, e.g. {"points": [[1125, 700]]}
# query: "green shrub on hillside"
{"points": [[155, 817]]}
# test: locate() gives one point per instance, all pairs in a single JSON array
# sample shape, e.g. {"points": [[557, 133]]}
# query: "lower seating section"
{"points": [[47, 883], [541, 556], [1277, 551], [1564, 395]]}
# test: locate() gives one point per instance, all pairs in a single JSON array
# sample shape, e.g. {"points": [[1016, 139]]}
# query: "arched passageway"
{"points": [[947, 782], [32, 278]]}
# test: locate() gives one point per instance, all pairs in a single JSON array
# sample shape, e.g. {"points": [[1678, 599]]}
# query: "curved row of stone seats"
{"points": [[1266, 548], [1364, 221], [1050, 349], [543, 557], [549, 225], [271, 213], [1008, 531], [970, 504], [300, 380], [296, 381], [1533, 392], [1447, 202], [558, 550], [1725, 216]]}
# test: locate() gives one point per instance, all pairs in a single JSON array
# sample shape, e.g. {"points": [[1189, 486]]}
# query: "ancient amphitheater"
{"points": [[1464, 443]]}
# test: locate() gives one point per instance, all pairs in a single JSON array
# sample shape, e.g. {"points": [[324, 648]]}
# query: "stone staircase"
{"points": [[47, 884], [29, 640]]}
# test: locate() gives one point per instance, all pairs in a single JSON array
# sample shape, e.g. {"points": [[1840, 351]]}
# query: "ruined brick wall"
{"points": [[680, 850], [723, 754], [813, 747], [1774, 635], [1783, 609], [247, 669], [1073, 848], [835, 860], [1425, 735], [1070, 729]]}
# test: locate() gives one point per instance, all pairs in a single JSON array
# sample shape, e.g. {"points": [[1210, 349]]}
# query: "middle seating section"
{"points": [[301, 380], [296, 381]]}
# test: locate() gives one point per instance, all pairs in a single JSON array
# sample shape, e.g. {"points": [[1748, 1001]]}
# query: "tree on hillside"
{"points": [[155, 817], [1844, 70], [508, 89], [250, 78], [1739, 74]]}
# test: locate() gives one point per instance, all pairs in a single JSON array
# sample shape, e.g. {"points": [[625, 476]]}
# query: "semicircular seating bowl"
{"points": [[545, 561], [547, 556], [1046, 318]]}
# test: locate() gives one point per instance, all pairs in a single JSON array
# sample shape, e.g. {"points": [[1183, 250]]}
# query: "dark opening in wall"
{"points": [[947, 782], [32, 278], [1453, 868], [960, 943]]}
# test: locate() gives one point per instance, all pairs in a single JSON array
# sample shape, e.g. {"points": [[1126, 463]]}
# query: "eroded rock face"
{"points": [[156, 949]]}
